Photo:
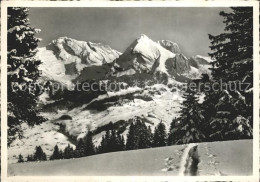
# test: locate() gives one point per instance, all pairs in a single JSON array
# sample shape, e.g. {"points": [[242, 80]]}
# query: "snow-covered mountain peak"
{"points": [[171, 46], [143, 37], [145, 55], [68, 57], [91, 53]]}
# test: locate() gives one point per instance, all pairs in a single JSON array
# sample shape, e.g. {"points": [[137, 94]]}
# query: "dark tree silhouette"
{"points": [[160, 136], [39, 155], [89, 146], [57, 154], [20, 158]]}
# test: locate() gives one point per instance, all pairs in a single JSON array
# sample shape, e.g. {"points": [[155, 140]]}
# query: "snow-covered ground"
{"points": [[167, 101], [216, 158], [232, 158]]}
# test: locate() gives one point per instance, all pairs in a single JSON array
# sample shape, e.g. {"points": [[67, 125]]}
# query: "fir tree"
{"points": [[112, 142], [121, 146], [171, 137], [68, 152], [139, 136], [22, 72], [89, 146], [149, 137], [30, 158], [228, 123], [160, 135], [56, 153], [76, 154], [233, 53], [39, 155], [234, 45], [145, 136], [131, 138], [80, 148], [103, 145], [228, 113], [20, 158], [190, 120]]}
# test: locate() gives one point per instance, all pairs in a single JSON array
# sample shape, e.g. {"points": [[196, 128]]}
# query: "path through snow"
{"points": [[187, 163]]}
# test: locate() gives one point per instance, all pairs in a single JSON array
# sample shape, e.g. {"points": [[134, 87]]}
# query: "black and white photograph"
{"points": [[131, 91]]}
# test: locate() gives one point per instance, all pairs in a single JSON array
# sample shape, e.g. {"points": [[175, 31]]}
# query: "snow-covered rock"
{"points": [[171, 46]]}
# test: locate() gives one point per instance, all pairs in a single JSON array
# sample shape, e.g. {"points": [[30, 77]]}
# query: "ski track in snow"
{"points": [[185, 158]]}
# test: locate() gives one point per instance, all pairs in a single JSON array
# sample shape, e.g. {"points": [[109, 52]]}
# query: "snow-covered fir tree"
{"points": [[190, 120], [228, 122], [22, 72], [228, 112]]}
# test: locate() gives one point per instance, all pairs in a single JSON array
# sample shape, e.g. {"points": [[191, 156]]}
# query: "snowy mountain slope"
{"points": [[123, 105], [65, 58], [120, 108], [236, 159], [46, 135]]}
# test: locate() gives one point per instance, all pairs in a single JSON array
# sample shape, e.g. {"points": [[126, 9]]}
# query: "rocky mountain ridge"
{"points": [[72, 60]]}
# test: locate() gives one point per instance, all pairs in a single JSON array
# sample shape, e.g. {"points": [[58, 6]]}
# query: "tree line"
{"points": [[139, 136]]}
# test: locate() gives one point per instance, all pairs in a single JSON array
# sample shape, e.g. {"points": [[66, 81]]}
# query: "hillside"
{"points": [[236, 159], [117, 107]]}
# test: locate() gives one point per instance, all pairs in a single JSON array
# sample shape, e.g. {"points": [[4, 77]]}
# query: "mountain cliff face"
{"points": [[65, 58], [144, 55], [180, 63]]}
